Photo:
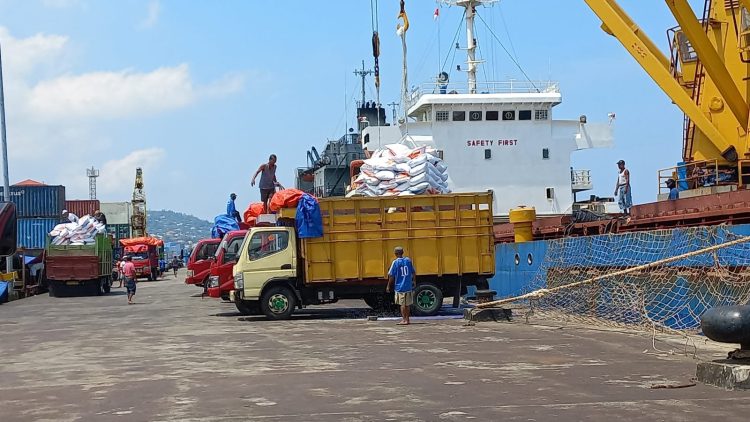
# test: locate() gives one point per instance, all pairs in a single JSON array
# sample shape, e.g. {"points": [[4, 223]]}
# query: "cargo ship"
{"points": [[487, 130]]}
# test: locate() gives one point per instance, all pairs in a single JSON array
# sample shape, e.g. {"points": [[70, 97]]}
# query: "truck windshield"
{"points": [[206, 251], [140, 255], [267, 243], [233, 249]]}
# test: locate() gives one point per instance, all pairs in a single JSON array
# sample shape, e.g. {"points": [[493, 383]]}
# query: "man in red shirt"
{"points": [[128, 271]]}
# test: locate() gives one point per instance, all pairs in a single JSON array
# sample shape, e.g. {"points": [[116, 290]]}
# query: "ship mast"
{"points": [[471, 41]]}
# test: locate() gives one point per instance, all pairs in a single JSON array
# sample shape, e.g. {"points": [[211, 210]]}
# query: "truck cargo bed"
{"points": [[442, 234], [61, 268]]}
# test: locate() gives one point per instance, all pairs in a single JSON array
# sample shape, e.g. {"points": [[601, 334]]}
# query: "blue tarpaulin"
{"points": [[223, 224], [5, 287], [309, 220]]}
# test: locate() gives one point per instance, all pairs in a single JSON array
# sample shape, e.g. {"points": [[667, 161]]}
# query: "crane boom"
{"points": [[617, 23]]}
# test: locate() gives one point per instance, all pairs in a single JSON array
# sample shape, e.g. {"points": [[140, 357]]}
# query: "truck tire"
{"points": [[278, 303], [428, 299], [247, 308], [52, 288], [106, 285]]}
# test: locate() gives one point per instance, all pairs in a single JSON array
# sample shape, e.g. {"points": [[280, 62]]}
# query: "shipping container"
{"points": [[38, 201], [118, 231], [32, 232], [117, 212], [81, 207]]}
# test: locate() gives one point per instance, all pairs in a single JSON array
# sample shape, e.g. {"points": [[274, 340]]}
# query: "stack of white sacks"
{"points": [[81, 233], [398, 170]]}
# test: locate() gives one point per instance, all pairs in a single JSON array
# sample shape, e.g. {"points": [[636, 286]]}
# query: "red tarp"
{"points": [[252, 212], [150, 241], [287, 198]]}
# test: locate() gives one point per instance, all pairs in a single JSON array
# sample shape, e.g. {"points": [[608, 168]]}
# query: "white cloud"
{"points": [[117, 176], [114, 94], [22, 55], [152, 16]]}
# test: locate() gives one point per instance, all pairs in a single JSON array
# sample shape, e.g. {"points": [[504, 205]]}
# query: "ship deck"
{"points": [[177, 356], [721, 208]]}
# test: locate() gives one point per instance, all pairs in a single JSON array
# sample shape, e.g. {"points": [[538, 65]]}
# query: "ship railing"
{"points": [[581, 180], [702, 173], [503, 87]]}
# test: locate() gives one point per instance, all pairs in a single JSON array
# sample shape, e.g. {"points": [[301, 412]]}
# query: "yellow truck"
{"points": [[448, 237]]}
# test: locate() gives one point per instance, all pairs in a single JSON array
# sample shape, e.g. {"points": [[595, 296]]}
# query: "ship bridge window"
{"points": [[524, 115], [509, 115], [540, 115], [459, 116], [442, 116], [492, 115], [475, 116]]}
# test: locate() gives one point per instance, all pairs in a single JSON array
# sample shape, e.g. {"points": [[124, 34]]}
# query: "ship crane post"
{"points": [[138, 218]]}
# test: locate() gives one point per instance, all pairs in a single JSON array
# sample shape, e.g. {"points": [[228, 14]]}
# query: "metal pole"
{"points": [[6, 181]]}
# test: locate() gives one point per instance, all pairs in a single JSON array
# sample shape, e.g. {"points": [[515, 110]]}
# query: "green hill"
{"points": [[181, 230]]}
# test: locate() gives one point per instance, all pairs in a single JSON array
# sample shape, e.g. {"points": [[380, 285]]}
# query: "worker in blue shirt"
{"points": [[232, 209], [674, 193], [404, 277]]}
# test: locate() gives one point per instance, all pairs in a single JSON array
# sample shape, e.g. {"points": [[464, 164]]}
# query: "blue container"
{"points": [[38, 201], [32, 232]]}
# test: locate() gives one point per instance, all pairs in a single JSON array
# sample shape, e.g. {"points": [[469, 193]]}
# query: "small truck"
{"points": [[145, 254], [220, 279], [449, 239], [78, 270], [199, 263]]}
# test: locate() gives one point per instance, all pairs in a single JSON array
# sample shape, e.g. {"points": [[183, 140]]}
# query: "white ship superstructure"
{"points": [[499, 136]]}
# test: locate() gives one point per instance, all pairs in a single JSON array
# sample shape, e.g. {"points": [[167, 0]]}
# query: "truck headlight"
{"points": [[213, 281], [239, 282], [190, 273]]}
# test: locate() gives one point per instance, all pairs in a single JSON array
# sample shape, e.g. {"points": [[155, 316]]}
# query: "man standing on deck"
{"points": [[674, 193], [402, 274], [128, 271], [232, 209], [268, 181], [622, 189]]}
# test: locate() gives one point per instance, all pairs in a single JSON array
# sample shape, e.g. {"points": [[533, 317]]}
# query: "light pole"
{"points": [[6, 181]]}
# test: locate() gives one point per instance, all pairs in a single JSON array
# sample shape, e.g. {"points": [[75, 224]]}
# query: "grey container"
{"points": [[38, 201], [32, 232]]}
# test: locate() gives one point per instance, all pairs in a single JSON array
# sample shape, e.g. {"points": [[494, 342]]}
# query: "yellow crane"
{"points": [[706, 75]]}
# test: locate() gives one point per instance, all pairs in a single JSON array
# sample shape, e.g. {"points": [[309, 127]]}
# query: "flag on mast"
{"points": [[436, 15]]}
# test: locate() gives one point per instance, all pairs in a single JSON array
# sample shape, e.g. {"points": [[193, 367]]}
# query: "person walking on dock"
{"points": [[128, 272], [622, 189], [404, 277], [268, 181]]}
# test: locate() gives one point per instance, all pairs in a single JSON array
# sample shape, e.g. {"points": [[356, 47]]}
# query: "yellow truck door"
{"points": [[269, 253]]}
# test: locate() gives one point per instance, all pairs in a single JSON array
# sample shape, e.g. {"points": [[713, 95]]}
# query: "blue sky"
{"points": [[199, 93]]}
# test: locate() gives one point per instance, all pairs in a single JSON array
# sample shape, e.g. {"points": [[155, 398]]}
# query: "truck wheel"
{"points": [[107, 285], [428, 300], [52, 290], [278, 303], [247, 308]]}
